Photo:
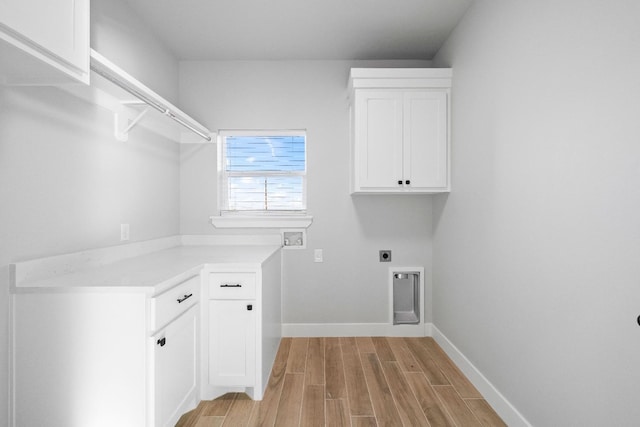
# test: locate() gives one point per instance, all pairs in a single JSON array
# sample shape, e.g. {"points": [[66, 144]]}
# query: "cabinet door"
{"points": [[425, 140], [44, 41], [232, 343], [56, 25], [378, 134], [174, 373]]}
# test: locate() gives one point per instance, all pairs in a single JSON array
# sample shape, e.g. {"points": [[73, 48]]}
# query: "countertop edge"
{"points": [[134, 274]]}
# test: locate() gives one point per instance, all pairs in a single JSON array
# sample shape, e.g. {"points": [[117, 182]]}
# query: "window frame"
{"points": [[223, 196]]}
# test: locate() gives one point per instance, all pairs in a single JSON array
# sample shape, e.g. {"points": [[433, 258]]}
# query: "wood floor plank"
{"points": [[348, 345], [220, 406], [358, 386], [357, 391], [403, 355], [384, 406], [428, 366], [429, 402], [408, 407], [191, 418], [290, 401], [436, 351], [209, 421], [365, 345], [383, 350], [315, 361], [282, 355], [185, 420], [455, 406], [456, 378], [334, 370], [485, 413], [363, 422], [337, 413], [240, 411], [254, 417], [268, 408], [297, 356], [313, 406]]}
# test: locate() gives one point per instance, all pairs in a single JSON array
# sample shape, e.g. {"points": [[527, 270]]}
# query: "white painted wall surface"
{"points": [[66, 184], [351, 285], [119, 34], [536, 271]]}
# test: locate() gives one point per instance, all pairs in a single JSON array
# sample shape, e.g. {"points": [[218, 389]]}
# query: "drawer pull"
{"points": [[186, 297], [231, 285], [162, 341]]}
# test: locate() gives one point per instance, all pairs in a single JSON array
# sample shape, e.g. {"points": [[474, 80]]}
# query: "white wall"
{"points": [[66, 184], [118, 33], [350, 286], [536, 250]]}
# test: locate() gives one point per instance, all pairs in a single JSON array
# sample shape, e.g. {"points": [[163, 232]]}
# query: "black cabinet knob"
{"points": [[162, 341], [399, 182], [249, 307], [407, 182]]}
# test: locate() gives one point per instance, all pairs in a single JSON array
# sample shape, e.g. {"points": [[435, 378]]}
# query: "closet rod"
{"points": [[101, 69]]}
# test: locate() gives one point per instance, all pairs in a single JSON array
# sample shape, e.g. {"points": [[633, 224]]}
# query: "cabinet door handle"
{"points": [[186, 297], [162, 341], [249, 307], [231, 285], [399, 182], [407, 182]]}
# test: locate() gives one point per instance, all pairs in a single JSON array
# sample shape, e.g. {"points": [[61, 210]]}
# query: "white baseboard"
{"points": [[498, 402], [354, 330]]}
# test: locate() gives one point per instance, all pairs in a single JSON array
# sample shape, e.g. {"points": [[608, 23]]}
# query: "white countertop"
{"points": [[150, 273]]}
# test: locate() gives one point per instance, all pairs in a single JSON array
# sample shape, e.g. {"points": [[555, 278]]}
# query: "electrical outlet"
{"points": [[385, 255], [124, 232], [318, 256]]}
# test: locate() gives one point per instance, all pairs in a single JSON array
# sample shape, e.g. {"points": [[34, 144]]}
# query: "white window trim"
{"points": [[276, 219], [264, 221]]}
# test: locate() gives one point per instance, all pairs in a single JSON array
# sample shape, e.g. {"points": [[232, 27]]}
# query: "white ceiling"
{"points": [[302, 29]]}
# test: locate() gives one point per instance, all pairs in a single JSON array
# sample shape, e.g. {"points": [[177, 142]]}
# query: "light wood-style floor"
{"points": [[355, 382]]}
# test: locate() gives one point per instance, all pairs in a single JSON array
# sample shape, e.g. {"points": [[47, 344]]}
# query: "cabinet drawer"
{"points": [[232, 285], [170, 304]]}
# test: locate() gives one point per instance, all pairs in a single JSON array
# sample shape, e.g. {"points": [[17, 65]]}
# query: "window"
{"points": [[262, 172]]}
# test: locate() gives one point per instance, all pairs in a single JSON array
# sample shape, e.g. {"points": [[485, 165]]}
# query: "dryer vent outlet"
{"points": [[385, 255]]}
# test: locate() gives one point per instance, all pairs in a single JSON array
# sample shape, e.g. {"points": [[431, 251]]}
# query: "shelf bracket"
{"points": [[122, 125]]}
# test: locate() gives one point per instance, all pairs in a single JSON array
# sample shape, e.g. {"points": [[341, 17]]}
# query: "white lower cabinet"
{"points": [[232, 343], [93, 348], [241, 327], [174, 357], [137, 342], [105, 357]]}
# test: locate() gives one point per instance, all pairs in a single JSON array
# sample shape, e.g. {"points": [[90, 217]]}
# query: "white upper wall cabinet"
{"points": [[44, 42], [400, 130]]}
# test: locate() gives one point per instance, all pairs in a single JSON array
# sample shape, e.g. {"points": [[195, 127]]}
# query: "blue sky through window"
{"points": [[265, 153], [265, 173]]}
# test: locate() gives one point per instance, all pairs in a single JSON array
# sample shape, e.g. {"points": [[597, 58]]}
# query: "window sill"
{"points": [[261, 221]]}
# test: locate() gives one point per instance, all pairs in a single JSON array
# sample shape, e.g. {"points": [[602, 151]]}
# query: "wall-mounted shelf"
{"points": [[135, 104]]}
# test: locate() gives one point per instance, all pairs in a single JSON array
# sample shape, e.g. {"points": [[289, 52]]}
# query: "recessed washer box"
{"points": [[294, 239], [406, 295]]}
